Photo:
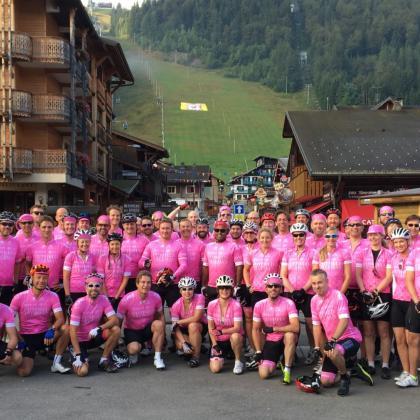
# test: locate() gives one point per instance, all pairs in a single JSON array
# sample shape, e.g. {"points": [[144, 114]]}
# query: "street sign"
{"points": [[239, 211]]}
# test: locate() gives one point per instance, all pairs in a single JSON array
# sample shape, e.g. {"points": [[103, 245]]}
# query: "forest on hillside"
{"points": [[351, 52]]}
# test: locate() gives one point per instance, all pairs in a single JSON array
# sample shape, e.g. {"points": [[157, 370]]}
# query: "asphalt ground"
{"points": [[180, 392]]}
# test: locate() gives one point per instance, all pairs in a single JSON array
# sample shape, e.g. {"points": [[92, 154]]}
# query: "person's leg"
{"points": [[236, 341], [158, 331], [111, 341], [194, 334], [369, 339], [248, 326], [26, 367], [401, 341], [289, 340], [413, 340], [133, 348], [384, 334]]}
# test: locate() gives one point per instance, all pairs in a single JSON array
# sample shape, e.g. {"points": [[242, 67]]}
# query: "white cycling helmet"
{"points": [[400, 233], [273, 278], [82, 234], [299, 227], [224, 280], [378, 308], [250, 226], [302, 212], [187, 282]]}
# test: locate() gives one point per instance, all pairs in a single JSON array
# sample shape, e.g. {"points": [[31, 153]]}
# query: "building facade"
{"points": [[57, 77]]}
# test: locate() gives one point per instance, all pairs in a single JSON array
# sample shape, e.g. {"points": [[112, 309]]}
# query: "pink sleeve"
{"points": [[315, 258], [158, 303], [182, 261], [126, 267], [108, 309], [10, 319], [29, 252], [237, 256], [205, 258], [411, 261], [75, 314], [175, 311], [342, 306], [122, 308], [201, 304], [210, 309], [314, 311], [257, 313], [145, 256], [20, 255], [285, 259], [248, 258], [346, 256], [291, 309], [55, 303], [15, 303], [359, 258], [68, 261], [237, 312]]}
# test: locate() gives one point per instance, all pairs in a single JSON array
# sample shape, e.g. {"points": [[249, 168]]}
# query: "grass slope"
{"points": [[253, 114]]}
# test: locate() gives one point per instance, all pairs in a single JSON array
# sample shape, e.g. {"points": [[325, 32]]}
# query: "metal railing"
{"points": [[21, 103], [51, 107], [56, 160], [21, 160], [21, 46], [51, 50]]}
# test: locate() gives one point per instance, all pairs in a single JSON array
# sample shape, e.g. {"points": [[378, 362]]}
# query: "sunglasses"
{"points": [[94, 285], [298, 235], [26, 223], [413, 225], [355, 225], [5, 224], [147, 225], [225, 214], [101, 225], [271, 286], [187, 289], [386, 214], [220, 230], [38, 213], [224, 288], [333, 236]]}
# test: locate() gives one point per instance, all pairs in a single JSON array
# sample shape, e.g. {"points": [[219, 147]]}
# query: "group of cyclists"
{"points": [[71, 285]]}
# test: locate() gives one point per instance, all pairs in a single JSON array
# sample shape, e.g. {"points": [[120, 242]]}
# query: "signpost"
{"points": [[239, 211]]}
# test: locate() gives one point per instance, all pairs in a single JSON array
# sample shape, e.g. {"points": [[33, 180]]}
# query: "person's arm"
{"points": [[182, 261], [198, 313], [341, 327], [292, 326], [257, 335], [247, 275], [359, 278], [410, 285], [211, 327], [59, 320], [110, 322], [13, 339], [284, 272], [122, 286], [235, 329], [66, 281], [347, 277], [173, 213], [238, 275], [386, 281], [318, 335], [205, 276]]}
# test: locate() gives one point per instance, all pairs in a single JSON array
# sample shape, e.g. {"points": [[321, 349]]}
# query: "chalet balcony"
{"points": [[21, 46], [56, 161], [51, 108], [21, 161], [21, 104], [100, 89], [51, 51]]}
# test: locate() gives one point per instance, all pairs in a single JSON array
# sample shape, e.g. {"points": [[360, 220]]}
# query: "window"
{"points": [[171, 189], [190, 189]]}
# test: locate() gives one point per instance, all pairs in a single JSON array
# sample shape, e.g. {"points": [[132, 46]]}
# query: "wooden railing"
{"points": [[101, 133], [51, 107], [56, 160], [51, 50], [21, 46], [21, 103], [101, 90], [21, 160]]}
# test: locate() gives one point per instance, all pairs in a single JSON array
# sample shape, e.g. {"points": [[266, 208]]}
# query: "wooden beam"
{"points": [[389, 200]]}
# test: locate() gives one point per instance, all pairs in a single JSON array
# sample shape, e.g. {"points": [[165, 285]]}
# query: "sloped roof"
{"points": [[358, 142], [187, 173], [401, 193], [140, 141]]}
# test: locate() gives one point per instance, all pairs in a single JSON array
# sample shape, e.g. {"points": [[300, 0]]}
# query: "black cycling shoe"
{"points": [[107, 366], [361, 372], [386, 373], [193, 362], [344, 387], [371, 370]]}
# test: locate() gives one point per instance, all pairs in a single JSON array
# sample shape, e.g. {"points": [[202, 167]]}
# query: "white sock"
{"points": [[133, 358], [57, 358], [287, 368], [103, 359], [385, 364], [371, 364], [158, 355]]}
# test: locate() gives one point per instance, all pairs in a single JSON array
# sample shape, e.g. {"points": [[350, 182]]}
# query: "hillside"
{"points": [[243, 120]]}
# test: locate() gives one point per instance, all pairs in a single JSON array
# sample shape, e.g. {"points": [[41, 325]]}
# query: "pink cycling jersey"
{"points": [[299, 267], [10, 254], [315, 242], [114, 270], [206, 240], [87, 313], [58, 233], [133, 247], [98, 247], [165, 254], [178, 310], [69, 244], [194, 250], [221, 258], [35, 233], [413, 264], [138, 312], [334, 266], [361, 245], [233, 314], [52, 254], [373, 274], [35, 313], [328, 310], [240, 241], [263, 263], [174, 236], [79, 268], [277, 313], [399, 291], [283, 242], [24, 243], [116, 230], [6, 317]]}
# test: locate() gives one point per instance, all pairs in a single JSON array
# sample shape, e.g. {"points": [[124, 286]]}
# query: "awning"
{"points": [[307, 198], [318, 206], [127, 186], [353, 208]]}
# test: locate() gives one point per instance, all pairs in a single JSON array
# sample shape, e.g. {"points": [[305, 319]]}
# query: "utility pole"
{"points": [[162, 122]]}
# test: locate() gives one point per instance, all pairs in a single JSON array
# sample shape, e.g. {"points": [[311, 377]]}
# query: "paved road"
{"points": [[184, 393]]}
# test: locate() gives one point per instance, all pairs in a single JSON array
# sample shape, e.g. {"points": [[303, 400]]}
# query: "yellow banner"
{"points": [[186, 106]]}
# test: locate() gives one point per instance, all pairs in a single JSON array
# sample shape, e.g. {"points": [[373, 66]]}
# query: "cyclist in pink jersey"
{"points": [[374, 276], [189, 323], [274, 330], [235, 232], [390, 226], [50, 252], [333, 216], [146, 231], [412, 282], [194, 249], [132, 247], [77, 266], [36, 308], [220, 257], [114, 213], [157, 217], [142, 312], [88, 329], [335, 261], [25, 238], [331, 321], [225, 214], [225, 327], [385, 213], [115, 267], [296, 267], [98, 243], [60, 214], [268, 220], [302, 216], [283, 240], [354, 245], [165, 253], [412, 223], [202, 231], [83, 221], [8, 353], [37, 212], [400, 297], [318, 226], [10, 257], [249, 233], [254, 217], [69, 229]]}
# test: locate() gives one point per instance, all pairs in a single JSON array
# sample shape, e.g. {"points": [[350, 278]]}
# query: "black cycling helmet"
{"points": [[202, 221], [237, 222], [128, 218], [7, 216], [114, 237]]}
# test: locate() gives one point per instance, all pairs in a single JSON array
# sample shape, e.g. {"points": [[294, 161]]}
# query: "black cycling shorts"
{"points": [[243, 296], [211, 293], [131, 285], [305, 306], [139, 336], [399, 310], [273, 350], [33, 343], [93, 343], [226, 348], [6, 294], [386, 297], [256, 297], [351, 347], [169, 294], [355, 305], [413, 319]]}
